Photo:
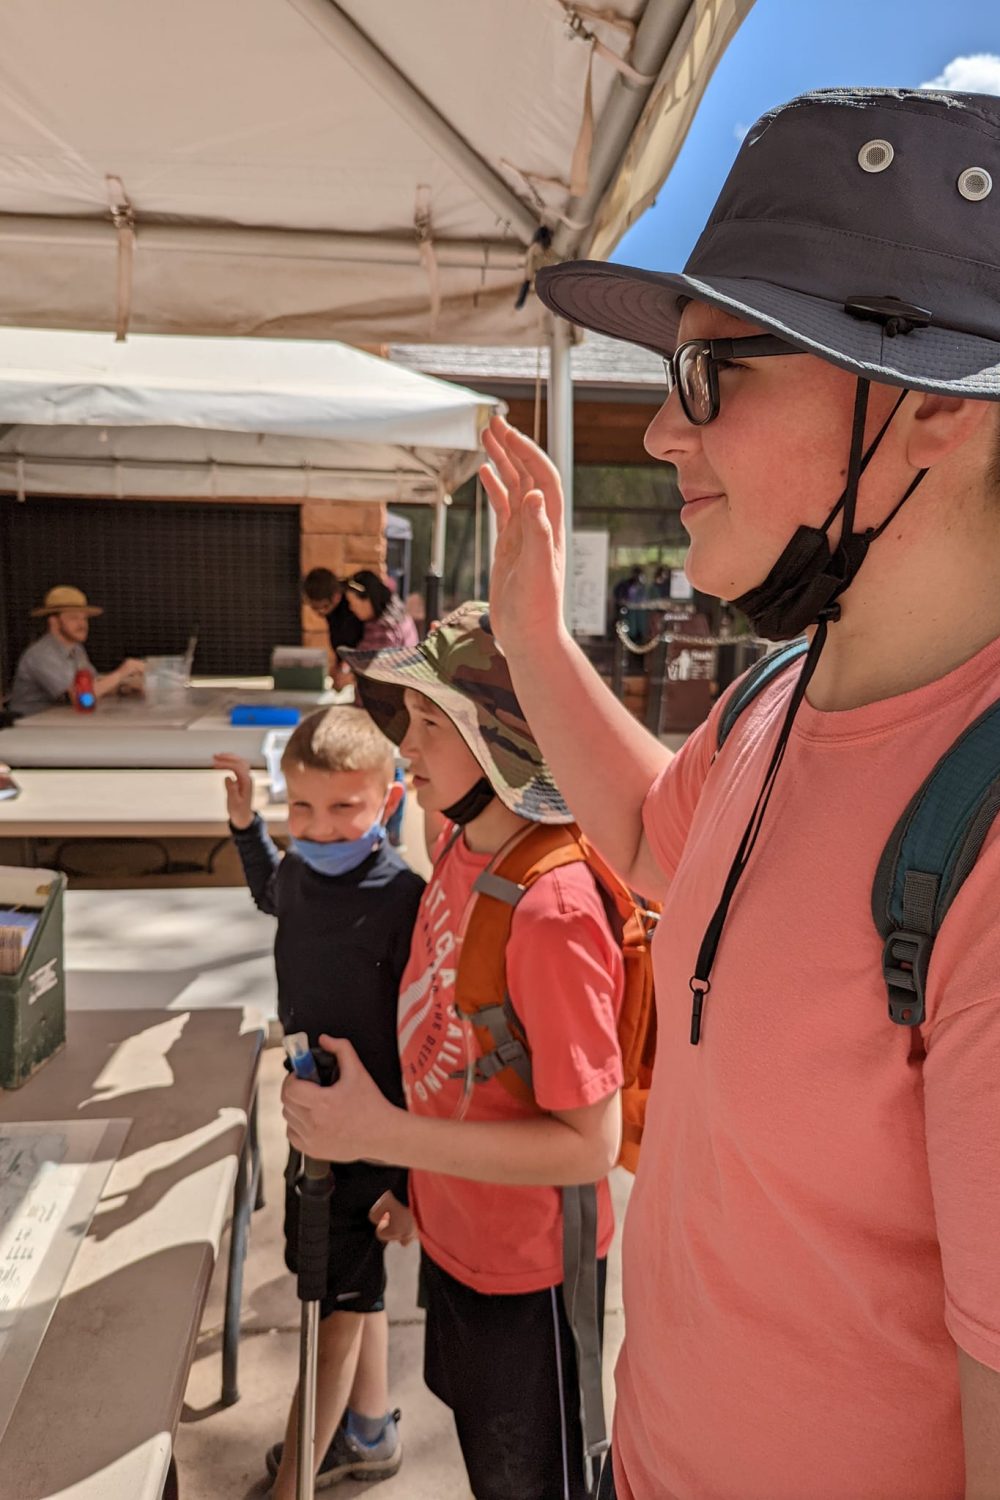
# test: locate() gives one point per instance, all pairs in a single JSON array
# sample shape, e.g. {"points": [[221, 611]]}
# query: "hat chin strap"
{"points": [[468, 808], [808, 577], [802, 587]]}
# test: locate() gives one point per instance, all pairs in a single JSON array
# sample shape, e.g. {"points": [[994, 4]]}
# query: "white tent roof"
{"points": [[367, 170], [227, 418]]}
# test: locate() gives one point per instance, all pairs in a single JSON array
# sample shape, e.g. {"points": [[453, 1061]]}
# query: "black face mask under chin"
{"points": [[808, 576], [476, 800], [801, 589]]}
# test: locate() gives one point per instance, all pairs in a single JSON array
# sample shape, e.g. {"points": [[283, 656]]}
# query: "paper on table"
{"points": [[52, 1174]]}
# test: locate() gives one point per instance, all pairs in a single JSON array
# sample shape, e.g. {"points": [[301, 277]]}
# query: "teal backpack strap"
{"points": [[930, 852], [754, 682]]}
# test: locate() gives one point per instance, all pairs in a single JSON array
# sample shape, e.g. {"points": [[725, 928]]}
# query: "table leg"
{"points": [[246, 1193], [255, 1162]]}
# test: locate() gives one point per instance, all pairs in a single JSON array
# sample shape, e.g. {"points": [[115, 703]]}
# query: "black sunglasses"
{"points": [[692, 370]]}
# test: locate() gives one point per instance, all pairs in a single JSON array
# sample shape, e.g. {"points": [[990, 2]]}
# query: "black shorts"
{"points": [[355, 1280], [506, 1365]]}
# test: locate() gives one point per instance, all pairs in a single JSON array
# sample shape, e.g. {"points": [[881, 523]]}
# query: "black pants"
{"points": [[506, 1365], [606, 1488]]}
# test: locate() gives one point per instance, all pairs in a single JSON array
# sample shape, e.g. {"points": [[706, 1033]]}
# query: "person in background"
{"points": [[381, 612], [47, 669], [323, 591], [385, 622]]}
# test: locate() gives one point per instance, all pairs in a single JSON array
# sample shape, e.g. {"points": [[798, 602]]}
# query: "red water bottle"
{"points": [[83, 695]]}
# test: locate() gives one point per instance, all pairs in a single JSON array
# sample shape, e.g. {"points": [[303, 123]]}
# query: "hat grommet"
{"points": [[975, 184], [875, 156]]}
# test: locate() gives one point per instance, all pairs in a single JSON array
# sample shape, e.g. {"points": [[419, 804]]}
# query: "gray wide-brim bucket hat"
{"points": [[842, 195]]}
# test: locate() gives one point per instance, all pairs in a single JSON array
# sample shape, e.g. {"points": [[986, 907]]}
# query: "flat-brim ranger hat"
{"points": [[841, 198], [64, 596], [462, 670]]}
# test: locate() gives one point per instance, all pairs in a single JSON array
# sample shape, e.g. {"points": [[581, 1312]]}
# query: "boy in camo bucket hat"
{"points": [[490, 1170], [462, 670]]}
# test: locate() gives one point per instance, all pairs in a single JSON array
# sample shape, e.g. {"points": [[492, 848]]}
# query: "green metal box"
{"points": [[33, 1001], [299, 679]]}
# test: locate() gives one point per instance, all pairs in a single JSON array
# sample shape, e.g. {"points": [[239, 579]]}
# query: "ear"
{"points": [[396, 794], [941, 424]]}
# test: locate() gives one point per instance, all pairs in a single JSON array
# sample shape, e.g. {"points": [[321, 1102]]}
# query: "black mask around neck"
{"points": [[801, 589], [809, 576], [476, 800]]}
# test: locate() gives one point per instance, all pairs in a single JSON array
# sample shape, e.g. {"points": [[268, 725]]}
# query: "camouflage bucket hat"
{"points": [[462, 670]]}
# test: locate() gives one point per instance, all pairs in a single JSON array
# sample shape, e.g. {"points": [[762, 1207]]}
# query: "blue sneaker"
{"points": [[348, 1458]]}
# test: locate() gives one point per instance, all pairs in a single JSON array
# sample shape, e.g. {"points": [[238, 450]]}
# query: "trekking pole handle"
{"points": [[313, 1189]]}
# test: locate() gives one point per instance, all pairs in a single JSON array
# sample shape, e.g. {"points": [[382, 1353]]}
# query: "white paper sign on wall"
{"points": [[589, 582]]}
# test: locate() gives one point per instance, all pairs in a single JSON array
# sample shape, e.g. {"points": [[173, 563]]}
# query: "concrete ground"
{"points": [[220, 1452]]}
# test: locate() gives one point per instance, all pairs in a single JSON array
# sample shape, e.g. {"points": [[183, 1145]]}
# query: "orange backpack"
{"points": [[481, 994]]}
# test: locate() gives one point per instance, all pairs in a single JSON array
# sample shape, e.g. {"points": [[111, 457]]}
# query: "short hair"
{"points": [[320, 584], [340, 739]]}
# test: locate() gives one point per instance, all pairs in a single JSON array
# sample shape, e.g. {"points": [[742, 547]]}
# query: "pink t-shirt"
{"points": [[816, 1218], [564, 973]]}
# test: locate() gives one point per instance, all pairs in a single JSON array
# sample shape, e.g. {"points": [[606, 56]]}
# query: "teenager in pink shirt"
{"points": [[812, 1273], [487, 1167]]}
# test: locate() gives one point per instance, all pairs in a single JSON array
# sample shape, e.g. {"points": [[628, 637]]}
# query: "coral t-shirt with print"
{"points": [[564, 975], [816, 1217]]}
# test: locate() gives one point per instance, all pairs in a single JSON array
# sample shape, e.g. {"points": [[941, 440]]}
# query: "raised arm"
{"points": [[258, 855], [603, 761]]}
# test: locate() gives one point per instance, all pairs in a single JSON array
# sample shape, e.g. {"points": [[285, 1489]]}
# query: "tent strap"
{"points": [[123, 218], [577, 15]]}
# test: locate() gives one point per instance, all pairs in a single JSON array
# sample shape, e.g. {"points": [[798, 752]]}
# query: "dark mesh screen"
{"points": [[159, 570]]}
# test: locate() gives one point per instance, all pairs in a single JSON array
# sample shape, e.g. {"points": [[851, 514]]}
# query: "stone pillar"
{"points": [[342, 535]]}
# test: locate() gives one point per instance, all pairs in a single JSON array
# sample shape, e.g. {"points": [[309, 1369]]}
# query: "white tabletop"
{"points": [[127, 804], [183, 730]]}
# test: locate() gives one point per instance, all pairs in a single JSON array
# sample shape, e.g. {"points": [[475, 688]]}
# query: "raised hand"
{"points": [[239, 788], [527, 580]]}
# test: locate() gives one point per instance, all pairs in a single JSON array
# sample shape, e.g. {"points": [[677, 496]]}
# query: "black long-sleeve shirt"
{"points": [[344, 626], [341, 946]]}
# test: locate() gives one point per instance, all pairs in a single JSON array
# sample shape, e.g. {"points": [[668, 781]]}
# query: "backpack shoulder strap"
{"points": [[932, 849], [753, 682], [481, 994]]}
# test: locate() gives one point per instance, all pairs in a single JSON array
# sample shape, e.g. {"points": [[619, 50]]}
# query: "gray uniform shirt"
{"points": [[45, 675]]}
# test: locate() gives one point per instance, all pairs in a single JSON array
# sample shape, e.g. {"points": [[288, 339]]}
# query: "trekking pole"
{"points": [[313, 1188]]}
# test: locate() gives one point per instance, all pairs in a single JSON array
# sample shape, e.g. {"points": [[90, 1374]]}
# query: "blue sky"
{"points": [[787, 46]]}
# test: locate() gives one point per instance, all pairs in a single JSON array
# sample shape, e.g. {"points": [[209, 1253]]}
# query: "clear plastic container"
{"points": [[273, 749]]}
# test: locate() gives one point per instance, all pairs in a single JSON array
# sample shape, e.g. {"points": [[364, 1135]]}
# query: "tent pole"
{"points": [[435, 573], [560, 435]]}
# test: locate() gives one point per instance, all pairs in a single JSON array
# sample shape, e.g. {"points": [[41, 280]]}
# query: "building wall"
{"points": [[342, 536]]}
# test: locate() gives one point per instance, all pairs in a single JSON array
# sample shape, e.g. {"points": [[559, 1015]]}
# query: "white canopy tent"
{"points": [[369, 170], [227, 418]]}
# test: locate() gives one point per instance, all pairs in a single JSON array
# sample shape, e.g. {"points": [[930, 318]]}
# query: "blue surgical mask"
{"points": [[340, 858]]}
